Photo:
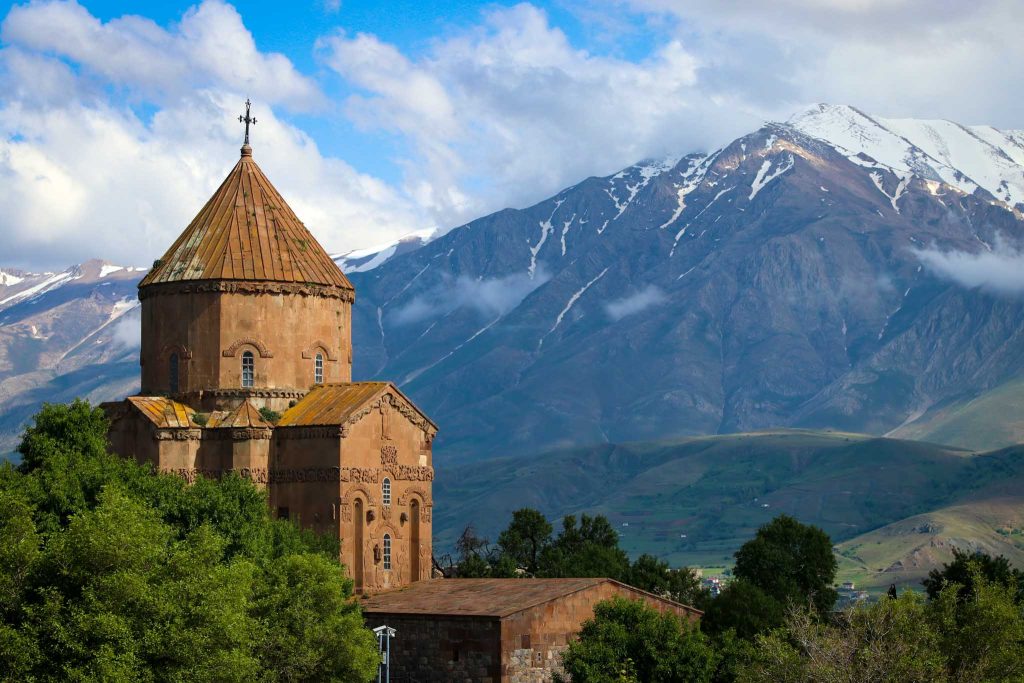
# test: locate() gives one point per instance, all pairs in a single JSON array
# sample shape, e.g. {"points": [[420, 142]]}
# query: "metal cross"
{"points": [[247, 119]]}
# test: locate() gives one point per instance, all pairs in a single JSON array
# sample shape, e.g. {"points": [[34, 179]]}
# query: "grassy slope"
{"points": [[985, 513], [694, 501], [993, 420]]}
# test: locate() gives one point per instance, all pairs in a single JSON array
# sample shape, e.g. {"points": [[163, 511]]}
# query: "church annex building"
{"points": [[246, 363]]}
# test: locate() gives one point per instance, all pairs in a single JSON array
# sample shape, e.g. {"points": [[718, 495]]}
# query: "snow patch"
{"points": [[568, 306], [763, 177], [545, 230]]}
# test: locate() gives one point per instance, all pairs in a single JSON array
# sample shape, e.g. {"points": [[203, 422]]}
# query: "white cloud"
{"points": [[209, 47], [634, 303], [1000, 270], [83, 176], [509, 112], [490, 297], [918, 58]]}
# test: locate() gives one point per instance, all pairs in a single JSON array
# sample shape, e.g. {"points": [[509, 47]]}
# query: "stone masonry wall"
{"points": [[439, 649]]}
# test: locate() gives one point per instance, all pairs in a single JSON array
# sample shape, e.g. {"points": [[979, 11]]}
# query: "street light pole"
{"points": [[384, 635]]}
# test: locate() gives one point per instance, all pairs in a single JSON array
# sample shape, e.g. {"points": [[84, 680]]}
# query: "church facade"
{"points": [[246, 364]]}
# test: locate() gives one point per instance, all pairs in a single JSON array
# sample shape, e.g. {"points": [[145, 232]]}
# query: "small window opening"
{"points": [[385, 491], [387, 551], [282, 513], [248, 369], [318, 369], [455, 654], [172, 374]]}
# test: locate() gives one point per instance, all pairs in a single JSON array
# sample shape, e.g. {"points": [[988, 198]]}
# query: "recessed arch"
{"points": [[321, 346], [237, 345], [168, 349]]}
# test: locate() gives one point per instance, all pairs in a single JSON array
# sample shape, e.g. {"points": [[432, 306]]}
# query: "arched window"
{"points": [[318, 369], [385, 492], [387, 551], [248, 369], [172, 374]]}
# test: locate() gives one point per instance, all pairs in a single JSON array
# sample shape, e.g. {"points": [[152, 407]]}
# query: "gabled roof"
{"points": [[247, 231], [335, 404], [163, 412], [245, 415], [490, 597]]}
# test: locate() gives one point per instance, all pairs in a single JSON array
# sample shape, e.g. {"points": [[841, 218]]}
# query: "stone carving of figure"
{"points": [[376, 553]]}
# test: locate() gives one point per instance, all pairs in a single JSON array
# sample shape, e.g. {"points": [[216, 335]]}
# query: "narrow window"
{"points": [[387, 551], [385, 491], [282, 513], [318, 369], [248, 369], [172, 374]]}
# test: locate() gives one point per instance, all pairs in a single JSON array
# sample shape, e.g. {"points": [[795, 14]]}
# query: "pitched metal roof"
{"points": [[334, 404], [247, 231], [163, 412], [245, 415]]}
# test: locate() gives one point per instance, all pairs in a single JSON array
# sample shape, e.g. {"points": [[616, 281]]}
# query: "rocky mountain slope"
{"points": [[780, 281], [785, 280], [65, 335]]}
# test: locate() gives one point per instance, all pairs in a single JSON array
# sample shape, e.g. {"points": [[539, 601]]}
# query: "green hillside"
{"points": [[694, 501], [995, 419]]}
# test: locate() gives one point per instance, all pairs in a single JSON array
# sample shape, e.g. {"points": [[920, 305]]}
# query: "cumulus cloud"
{"points": [[512, 110], [83, 176], [209, 47], [491, 297], [920, 58], [1000, 270], [634, 303]]}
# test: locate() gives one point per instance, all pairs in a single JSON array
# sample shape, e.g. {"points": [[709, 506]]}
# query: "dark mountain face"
{"points": [[775, 282]]}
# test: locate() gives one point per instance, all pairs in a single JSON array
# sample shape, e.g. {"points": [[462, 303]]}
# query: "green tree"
{"points": [[656, 576], [588, 549], [627, 640], [744, 609], [791, 562], [981, 628], [111, 572], [966, 565], [889, 641], [527, 536]]}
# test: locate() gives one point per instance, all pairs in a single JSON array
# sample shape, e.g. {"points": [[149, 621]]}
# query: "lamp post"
{"points": [[384, 635]]}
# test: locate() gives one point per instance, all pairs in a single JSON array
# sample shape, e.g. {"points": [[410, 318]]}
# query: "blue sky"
{"points": [[380, 119]]}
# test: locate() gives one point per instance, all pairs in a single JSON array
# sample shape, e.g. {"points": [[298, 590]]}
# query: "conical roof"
{"points": [[247, 231]]}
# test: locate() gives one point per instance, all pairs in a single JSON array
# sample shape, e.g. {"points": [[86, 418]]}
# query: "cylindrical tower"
{"points": [[245, 304]]}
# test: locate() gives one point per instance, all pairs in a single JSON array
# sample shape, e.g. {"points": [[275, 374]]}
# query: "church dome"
{"points": [[247, 232]]}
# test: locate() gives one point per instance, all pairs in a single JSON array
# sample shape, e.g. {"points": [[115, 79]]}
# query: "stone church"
{"points": [[247, 367]]}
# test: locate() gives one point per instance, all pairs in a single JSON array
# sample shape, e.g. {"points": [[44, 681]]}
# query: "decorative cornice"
{"points": [[254, 393], [246, 287], [325, 432]]}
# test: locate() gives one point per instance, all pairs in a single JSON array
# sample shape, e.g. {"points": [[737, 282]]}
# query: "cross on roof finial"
{"points": [[247, 120]]}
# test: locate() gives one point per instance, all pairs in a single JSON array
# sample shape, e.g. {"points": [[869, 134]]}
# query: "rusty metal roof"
{"points": [[334, 404], [489, 597], [247, 231], [163, 412], [245, 415]]}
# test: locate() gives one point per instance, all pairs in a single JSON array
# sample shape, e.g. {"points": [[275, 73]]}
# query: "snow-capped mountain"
{"points": [[782, 280]]}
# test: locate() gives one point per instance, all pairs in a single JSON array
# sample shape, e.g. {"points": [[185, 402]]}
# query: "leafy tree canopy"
{"points": [[627, 640], [791, 562], [966, 565], [111, 572]]}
